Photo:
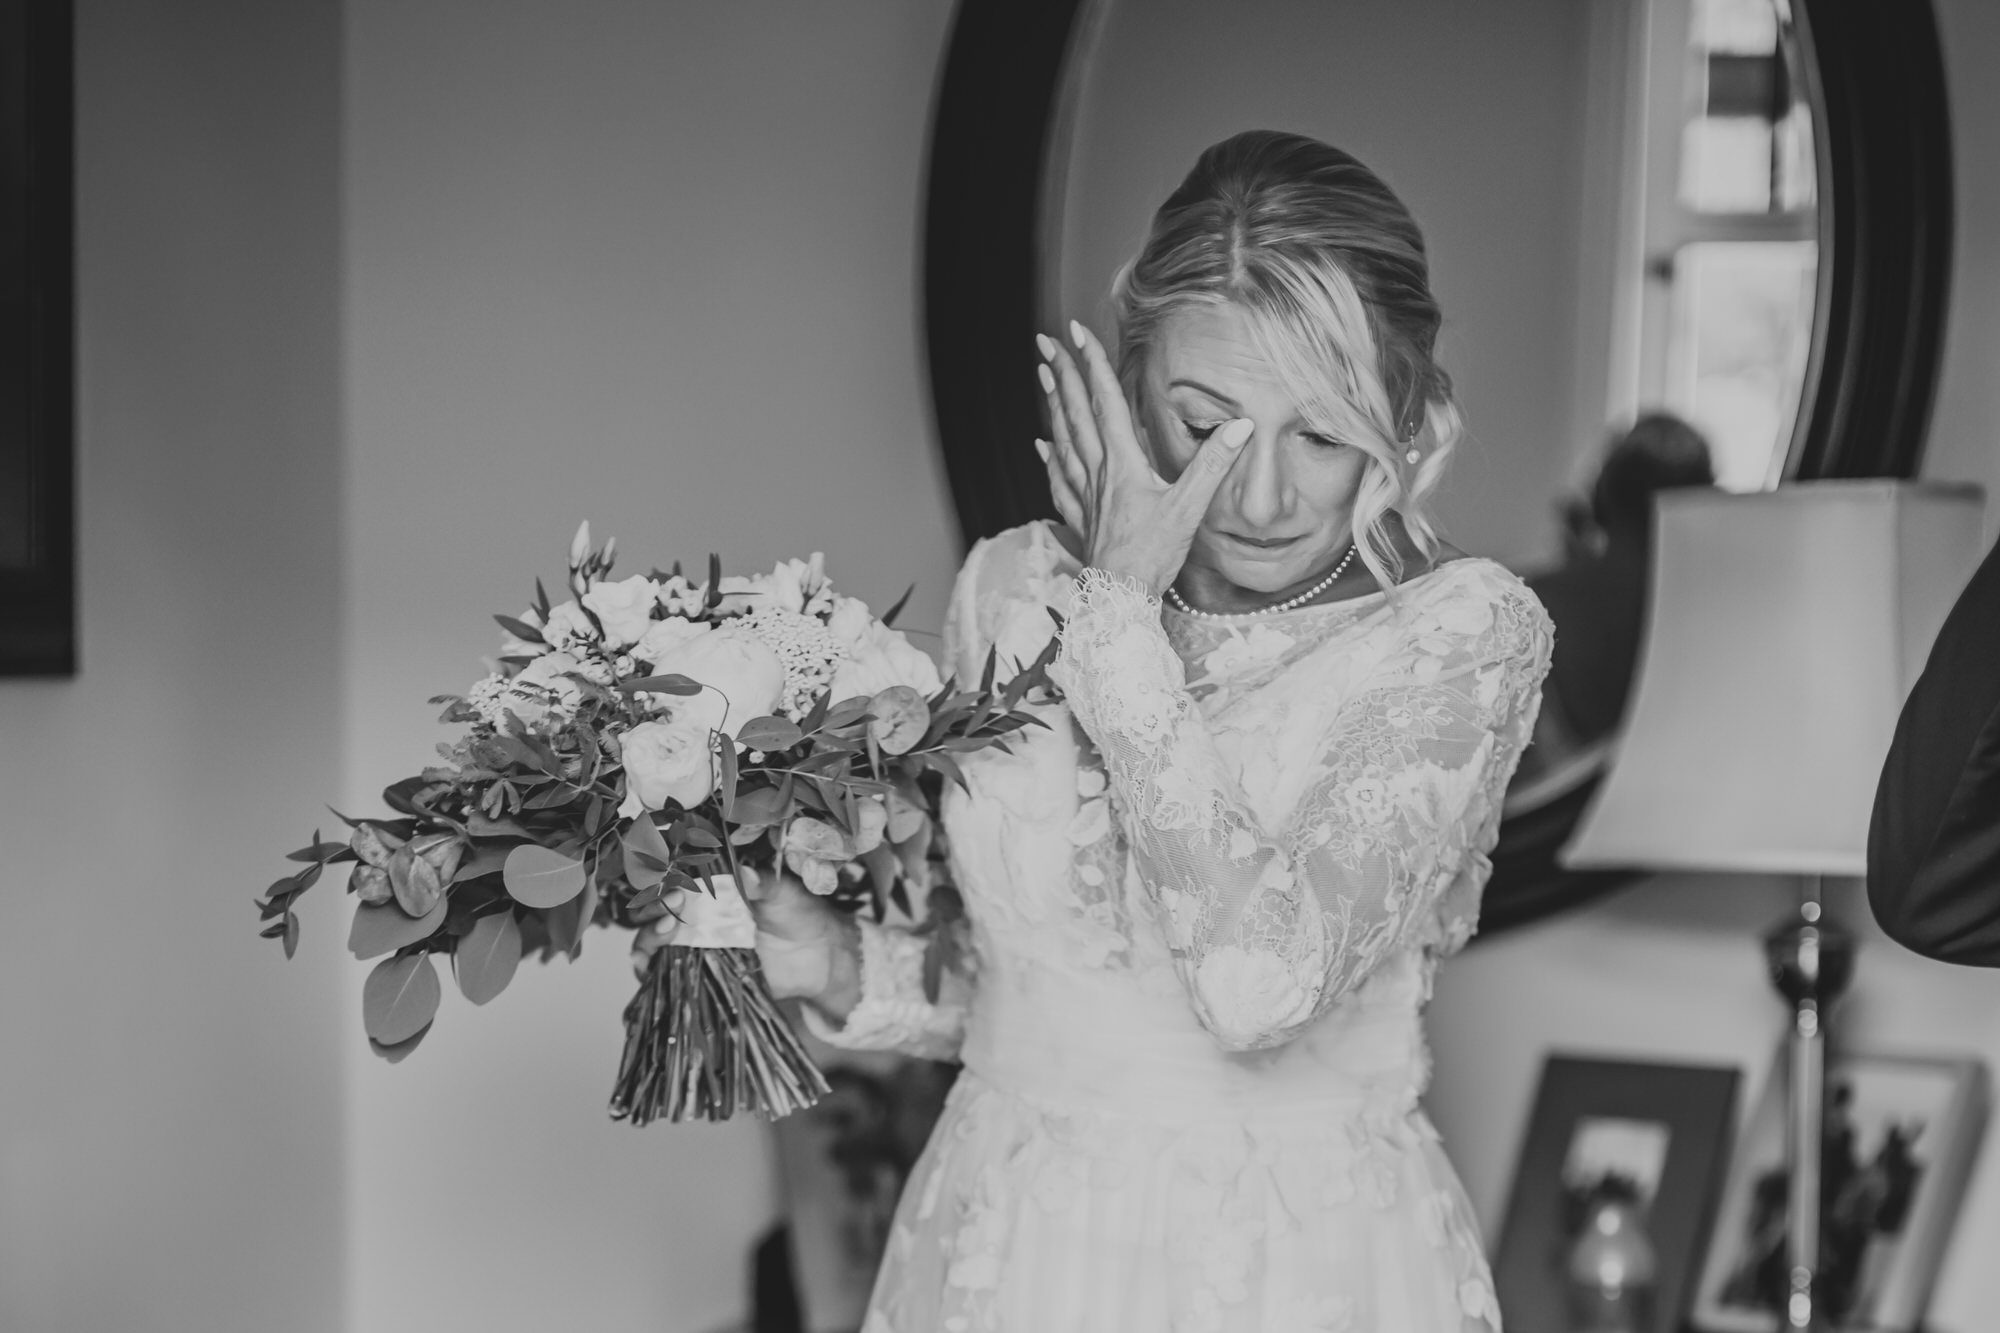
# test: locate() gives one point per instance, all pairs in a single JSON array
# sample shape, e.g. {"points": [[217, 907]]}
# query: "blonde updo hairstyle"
{"points": [[1331, 268]]}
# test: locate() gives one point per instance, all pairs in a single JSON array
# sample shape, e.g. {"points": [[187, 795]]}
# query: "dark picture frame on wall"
{"points": [[37, 360], [1902, 1137], [1650, 1141]]}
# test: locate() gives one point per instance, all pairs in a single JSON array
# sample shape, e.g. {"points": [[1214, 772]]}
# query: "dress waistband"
{"points": [[1107, 1045]]}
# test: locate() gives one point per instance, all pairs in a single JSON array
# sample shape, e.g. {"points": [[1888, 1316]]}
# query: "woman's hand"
{"points": [[809, 949], [1133, 522]]}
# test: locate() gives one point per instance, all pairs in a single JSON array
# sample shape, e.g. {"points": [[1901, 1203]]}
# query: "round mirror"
{"points": [[1692, 206]]}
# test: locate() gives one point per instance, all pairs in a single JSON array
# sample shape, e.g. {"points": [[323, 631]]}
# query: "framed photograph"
{"points": [[1622, 1164], [37, 451], [1901, 1138]]}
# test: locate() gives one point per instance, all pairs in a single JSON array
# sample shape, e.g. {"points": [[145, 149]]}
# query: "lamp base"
{"points": [[1811, 961]]}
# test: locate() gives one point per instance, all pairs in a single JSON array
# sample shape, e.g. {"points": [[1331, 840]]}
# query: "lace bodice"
{"points": [[1242, 821]]}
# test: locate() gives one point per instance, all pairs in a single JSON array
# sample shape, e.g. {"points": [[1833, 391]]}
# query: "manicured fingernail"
{"points": [[1234, 433], [1047, 346], [1042, 448], [1047, 377], [1076, 334]]}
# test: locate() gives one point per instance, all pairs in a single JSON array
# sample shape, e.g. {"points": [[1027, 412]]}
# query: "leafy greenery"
{"points": [[515, 844]]}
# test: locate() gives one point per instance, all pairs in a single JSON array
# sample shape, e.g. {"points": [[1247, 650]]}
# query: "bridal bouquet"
{"points": [[642, 755]]}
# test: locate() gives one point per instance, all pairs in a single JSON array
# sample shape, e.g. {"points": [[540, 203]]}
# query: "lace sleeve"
{"points": [[1270, 926], [894, 1013]]}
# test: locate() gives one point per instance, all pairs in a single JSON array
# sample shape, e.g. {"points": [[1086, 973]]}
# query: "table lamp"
{"points": [[1786, 627]]}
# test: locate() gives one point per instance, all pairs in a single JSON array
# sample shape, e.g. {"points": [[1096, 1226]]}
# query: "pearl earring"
{"points": [[1412, 457]]}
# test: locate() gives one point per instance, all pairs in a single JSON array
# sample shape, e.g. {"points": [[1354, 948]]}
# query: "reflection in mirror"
{"points": [[1729, 229], [1619, 198]]}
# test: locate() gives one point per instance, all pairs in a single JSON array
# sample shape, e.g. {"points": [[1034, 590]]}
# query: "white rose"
{"points": [[665, 636], [735, 662], [625, 608], [883, 658], [787, 586], [566, 625], [667, 760], [850, 621]]}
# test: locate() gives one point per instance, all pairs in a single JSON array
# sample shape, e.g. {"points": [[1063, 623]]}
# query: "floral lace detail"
{"points": [[893, 1013], [1274, 920], [1321, 786], [1223, 1197]]}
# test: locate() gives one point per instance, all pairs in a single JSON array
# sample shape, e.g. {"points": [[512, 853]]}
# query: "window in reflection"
{"points": [[1729, 229], [1742, 323], [1747, 144]]}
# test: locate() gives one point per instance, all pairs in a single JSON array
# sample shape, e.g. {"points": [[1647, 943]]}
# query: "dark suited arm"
{"points": [[1934, 842]]}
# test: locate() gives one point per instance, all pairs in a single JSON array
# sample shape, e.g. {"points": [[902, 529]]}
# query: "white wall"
{"points": [[1965, 425], [1671, 968], [170, 1110], [1474, 114], [653, 265]]}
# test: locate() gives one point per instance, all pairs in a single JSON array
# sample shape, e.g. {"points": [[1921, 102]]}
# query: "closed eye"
{"points": [[1199, 431]]}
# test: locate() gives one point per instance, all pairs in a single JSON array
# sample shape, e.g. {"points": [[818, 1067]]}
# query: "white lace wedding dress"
{"points": [[1204, 911]]}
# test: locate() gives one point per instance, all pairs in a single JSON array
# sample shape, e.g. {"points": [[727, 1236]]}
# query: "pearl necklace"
{"points": [[1286, 605]]}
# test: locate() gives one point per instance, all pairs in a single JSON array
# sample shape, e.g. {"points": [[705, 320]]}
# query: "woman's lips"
{"points": [[1261, 543]]}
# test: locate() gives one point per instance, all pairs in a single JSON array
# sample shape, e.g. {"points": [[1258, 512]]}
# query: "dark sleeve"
{"points": [[1934, 842]]}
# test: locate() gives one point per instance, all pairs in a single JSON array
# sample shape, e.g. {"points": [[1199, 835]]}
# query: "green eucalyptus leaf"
{"points": [[765, 805], [488, 858], [487, 956], [385, 928], [520, 629], [905, 819], [566, 923], [669, 684], [647, 857], [400, 998], [487, 826], [889, 616], [538, 877], [725, 783], [394, 1054], [414, 880], [769, 733], [847, 713], [898, 718], [816, 718]]}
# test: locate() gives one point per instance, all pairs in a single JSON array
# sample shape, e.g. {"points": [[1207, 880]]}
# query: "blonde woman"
{"points": [[1205, 905]]}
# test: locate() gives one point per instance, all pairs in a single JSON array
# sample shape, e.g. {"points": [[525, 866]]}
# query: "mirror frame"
{"points": [[1876, 85], [37, 331]]}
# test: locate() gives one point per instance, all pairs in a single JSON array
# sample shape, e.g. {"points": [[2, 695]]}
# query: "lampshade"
{"points": [[1786, 628]]}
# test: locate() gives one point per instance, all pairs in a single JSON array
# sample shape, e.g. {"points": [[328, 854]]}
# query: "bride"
{"points": [[1204, 906]]}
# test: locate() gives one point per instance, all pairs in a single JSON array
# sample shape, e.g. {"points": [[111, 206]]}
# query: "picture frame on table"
{"points": [[1902, 1134], [37, 357], [1616, 1153]]}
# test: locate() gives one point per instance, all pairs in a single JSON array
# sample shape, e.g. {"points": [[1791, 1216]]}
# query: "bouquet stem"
{"points": [[704, 1040]]}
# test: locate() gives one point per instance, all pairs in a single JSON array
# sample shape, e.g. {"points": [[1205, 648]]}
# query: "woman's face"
{"points": [[1284, 513]]}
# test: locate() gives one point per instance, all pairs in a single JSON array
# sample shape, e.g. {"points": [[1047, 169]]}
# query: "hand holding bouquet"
{"points": [[644, 751]]}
